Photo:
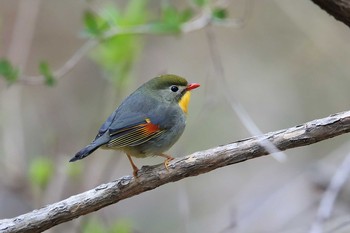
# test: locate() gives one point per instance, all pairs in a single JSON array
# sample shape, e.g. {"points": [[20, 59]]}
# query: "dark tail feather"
{"points": [[84, 152], [103, 139]]}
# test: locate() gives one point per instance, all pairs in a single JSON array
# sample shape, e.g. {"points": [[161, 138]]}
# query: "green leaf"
{"points": [[172, 20], [94, 226], [94, 25], [186, 15], [200, 3], [220, 13], [40, 171], [47, 73], [111, 15], [136, 12], [121, 226], [9, 72], [90, 23], [118, 53]]}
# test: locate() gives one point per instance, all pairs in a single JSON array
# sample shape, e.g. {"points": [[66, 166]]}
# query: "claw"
{"points": [[134, 172], [167, 161]]}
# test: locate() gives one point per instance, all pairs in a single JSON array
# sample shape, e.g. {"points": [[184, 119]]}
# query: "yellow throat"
{"points": [[185, 99]]}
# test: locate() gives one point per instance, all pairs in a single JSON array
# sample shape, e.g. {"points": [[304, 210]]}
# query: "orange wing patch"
{"points": [[149, 127], [135, 135]]}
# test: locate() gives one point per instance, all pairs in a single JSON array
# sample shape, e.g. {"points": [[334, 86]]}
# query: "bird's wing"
{"points": [[134, 129], [106, 125]]}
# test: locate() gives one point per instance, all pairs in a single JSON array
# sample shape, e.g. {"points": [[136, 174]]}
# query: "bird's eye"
{"points": [[174, 88]]}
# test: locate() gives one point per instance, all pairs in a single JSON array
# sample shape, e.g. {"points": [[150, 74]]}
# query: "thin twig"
{"points": [[151, 177], [65, 69], [326, 205], [197, 23], [242, 114]]}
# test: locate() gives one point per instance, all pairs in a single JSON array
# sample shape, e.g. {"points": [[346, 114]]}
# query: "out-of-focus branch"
{"points": [[12, 128], [239, 110], [326, 205], [197, 23], [150, 177], [339, 9], [65, 69]]}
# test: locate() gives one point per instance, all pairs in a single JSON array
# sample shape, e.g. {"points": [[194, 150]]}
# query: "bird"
{"points": [[148, 122]]}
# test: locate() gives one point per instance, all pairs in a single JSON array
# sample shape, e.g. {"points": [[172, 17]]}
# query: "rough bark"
{"points": [[150, 177], [339, 9]]}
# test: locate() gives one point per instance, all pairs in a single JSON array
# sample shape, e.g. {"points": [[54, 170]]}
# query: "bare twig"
{"points": [[150, 177], [197, 23], [65, 69], [239, 110], [329, 197]]}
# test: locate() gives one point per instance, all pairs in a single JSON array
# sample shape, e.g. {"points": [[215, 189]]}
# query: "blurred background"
{"points": [[285, 62]]}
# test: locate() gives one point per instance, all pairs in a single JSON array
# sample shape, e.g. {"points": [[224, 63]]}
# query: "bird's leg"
{"points": [[135, 169], [168, 159]]}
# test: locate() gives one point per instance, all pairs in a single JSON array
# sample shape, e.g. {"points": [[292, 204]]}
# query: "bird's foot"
{"points": [[134, 168], [167, 161], [135, 171]]}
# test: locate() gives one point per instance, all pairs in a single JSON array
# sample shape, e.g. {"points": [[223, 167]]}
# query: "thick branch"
{"points": [[150, 177], [339, 9]]}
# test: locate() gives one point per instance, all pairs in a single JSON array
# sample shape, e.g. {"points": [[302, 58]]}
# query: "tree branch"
{"points": [[339, 9], [327, 202], [151, 177], [65, 69], [197, 23]]}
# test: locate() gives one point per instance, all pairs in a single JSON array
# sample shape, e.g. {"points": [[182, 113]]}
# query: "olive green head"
{"points": [[169, 88], [166, 81]]}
